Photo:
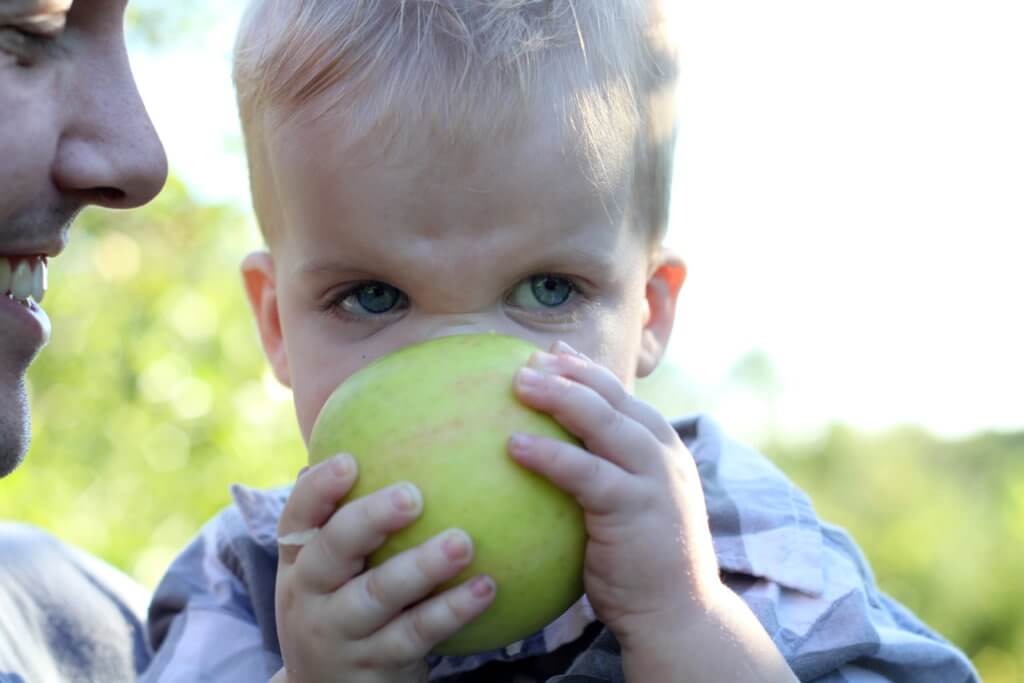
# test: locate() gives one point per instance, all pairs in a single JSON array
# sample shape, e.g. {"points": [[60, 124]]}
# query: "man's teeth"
{"points": [[23, 277]]}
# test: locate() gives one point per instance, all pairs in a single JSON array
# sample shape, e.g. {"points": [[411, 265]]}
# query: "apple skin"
{"points": [[439, 414]]}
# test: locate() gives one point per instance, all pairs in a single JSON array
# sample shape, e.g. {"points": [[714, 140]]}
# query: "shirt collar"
{"points": [[762, 525]]}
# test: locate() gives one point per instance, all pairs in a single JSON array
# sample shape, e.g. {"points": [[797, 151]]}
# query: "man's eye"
{"points": [[370, 297], [542, 291]]}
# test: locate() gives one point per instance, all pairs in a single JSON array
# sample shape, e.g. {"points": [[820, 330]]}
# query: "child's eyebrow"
{"points": [[318, 264], [595, 262], [590, 260]]}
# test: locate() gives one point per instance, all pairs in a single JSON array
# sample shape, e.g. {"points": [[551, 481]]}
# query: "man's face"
{"points": [[377, 251], [73, 132]]}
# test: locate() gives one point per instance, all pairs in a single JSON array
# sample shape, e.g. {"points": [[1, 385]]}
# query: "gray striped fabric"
{"points": [[64, 615]]}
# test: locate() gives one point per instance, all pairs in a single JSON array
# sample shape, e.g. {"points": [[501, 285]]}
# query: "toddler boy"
{"points": [[423, 168]]}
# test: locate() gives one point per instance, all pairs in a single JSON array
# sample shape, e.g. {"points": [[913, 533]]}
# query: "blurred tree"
{"points": [[155, 23], [668, 387], [152, 395], [750, 394], [942, 523], [756, 372]]}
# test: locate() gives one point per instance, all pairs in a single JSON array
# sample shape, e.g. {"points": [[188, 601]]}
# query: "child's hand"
{"points": [[337, 622], [650, 566], [649, 555]]}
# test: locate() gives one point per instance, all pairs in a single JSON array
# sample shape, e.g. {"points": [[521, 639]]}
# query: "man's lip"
{"points": [[32, 320]]}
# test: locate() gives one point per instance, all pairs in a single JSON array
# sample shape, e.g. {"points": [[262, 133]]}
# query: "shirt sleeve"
{"points": [[806, 580], [204, 622], [65, 615], [599, 663], [851, 632]]}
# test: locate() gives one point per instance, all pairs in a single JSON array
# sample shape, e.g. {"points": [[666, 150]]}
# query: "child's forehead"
{"points": [[517, 194], [528, 176], [475, 146]]}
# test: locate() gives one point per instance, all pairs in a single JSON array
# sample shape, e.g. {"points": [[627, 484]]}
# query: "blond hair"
{"points": [[470, 68]]}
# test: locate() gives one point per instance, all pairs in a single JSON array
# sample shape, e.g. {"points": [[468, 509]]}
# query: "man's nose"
{"points": [[109, 153]]}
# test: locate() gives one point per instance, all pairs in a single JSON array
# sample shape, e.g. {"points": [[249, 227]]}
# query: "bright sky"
{"points": [[849, 198]]}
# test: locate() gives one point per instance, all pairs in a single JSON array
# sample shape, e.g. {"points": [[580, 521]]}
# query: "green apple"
{"points": [[439, 414]]}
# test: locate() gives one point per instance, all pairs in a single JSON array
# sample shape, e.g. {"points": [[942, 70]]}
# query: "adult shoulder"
{"points": [[65, 615]]}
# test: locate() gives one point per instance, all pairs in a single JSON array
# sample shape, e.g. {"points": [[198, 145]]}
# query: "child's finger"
{"points": [[375, 597], [594, 482], [581, 410], [314, 499], [564, 360], [338, 550], [420, 629]]}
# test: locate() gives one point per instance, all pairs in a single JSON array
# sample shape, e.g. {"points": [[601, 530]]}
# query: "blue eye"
{"points": [[370, 297], [549, 291]]}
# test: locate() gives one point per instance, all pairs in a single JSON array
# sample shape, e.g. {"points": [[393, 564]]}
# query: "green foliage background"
{"points": [[153, 396]]}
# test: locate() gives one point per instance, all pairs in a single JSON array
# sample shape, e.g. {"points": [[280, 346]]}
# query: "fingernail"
{"points": [[456, 545], [519, 443], [481, 586], [563, 347], [528, 377], [406, 498], [342, 465], [543, 360]]}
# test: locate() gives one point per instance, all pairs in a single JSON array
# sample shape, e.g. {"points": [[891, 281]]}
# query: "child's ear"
{"points": [[260, 285], [668, 272]]}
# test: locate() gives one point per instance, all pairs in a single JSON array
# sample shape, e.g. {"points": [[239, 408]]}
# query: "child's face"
{"points": [[379, 249]]}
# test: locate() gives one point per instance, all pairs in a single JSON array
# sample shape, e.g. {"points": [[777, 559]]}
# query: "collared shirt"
{"points": [[66, 616], [212, 617]]}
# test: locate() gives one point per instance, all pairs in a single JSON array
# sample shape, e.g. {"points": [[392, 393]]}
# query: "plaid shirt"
{"points": [[212, 617]]}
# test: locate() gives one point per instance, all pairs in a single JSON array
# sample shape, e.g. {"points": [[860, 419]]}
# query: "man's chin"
{"points": [[15, 430]]}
